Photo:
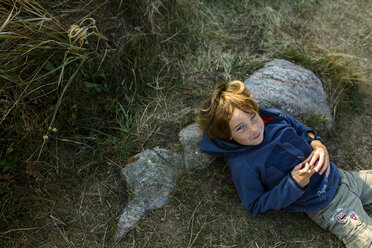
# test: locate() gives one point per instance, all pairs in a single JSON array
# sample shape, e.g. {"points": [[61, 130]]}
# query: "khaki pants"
{"points": [[345, 216]]}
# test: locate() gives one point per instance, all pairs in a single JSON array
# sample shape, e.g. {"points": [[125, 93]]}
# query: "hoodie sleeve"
{"points": [[255, 198], [300, 128]]}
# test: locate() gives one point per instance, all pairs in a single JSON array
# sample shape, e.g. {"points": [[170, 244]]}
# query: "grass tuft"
{"points": [[339, 77]]}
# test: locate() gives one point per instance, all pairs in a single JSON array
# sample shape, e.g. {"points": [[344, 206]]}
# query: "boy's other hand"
{"points": [[319, 158], [302, 173]]}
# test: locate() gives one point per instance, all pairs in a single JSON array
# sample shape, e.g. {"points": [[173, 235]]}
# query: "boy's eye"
{"points": [[253, 116], [239, 128]]}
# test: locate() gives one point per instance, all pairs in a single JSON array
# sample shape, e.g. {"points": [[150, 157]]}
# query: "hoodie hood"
{"points": [[219, 147]]}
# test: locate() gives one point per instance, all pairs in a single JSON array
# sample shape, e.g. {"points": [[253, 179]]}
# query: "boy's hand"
{"points": [[319, 158], [302, 173]]}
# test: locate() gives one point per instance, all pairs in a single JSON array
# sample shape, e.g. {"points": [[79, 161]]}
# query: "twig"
{"points": [[99, 194], [62, 233], [54, 218], [112, 192], [82, 199], [15, 103], [9, 17], [304, 241], [198, 234], [104, 237], [20, 229], [62, 69], [73, 141], [171, 36], [104, 56], [60, 101], [191, 222]]}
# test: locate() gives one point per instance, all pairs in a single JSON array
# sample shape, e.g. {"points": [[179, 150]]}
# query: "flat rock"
{"points": [[153, 176], [283, 85]]}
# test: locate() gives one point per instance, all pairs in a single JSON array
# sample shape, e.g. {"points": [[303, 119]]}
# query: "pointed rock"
{"points": [[153, 176]]}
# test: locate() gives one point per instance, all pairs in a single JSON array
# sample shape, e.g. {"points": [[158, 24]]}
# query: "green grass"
{"points": [[133, 82]]}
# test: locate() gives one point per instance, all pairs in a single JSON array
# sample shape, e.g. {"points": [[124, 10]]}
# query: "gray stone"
{"points": [[283, 85], [190, 138], [137, 209], [152, 177]]}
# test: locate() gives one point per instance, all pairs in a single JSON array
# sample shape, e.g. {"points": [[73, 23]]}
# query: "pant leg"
{"points": [[366, 194], [360, 183], [345, 216]]}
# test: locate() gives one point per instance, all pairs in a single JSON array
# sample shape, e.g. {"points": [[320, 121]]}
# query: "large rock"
{"points": [[283, 85]]}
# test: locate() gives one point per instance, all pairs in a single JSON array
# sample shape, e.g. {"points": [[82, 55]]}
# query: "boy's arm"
{"points": [[319, 158], [256, 199]]}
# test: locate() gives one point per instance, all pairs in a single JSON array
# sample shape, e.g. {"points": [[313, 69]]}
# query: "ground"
{"points": [[81, 210]]}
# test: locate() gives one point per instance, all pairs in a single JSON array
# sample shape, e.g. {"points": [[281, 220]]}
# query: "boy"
{"points": [[278, 163]]}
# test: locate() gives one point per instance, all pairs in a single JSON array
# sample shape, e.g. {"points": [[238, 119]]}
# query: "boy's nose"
{"points": [[254, 131], [254, 128]]}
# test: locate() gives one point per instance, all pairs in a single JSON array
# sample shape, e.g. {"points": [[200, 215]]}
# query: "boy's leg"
{"points": [[359, 182], [345, 216], [366, 191]]}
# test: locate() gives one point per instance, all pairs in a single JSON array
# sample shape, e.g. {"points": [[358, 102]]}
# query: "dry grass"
{"points": [[353, 40], [172, 64], [341, 29], [206, 212]]}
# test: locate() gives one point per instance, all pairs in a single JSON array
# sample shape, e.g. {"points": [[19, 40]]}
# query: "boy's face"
{"points": [[246, 129]]}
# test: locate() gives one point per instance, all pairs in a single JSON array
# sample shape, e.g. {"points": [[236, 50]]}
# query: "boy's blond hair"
{"points": [[216, 112]]}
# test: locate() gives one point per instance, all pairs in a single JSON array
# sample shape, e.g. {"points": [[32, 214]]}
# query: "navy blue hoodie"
{"points": [[262, 173]]}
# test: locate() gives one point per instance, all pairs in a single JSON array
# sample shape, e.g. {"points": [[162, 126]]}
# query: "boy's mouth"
{"points": [[259, 134]]}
